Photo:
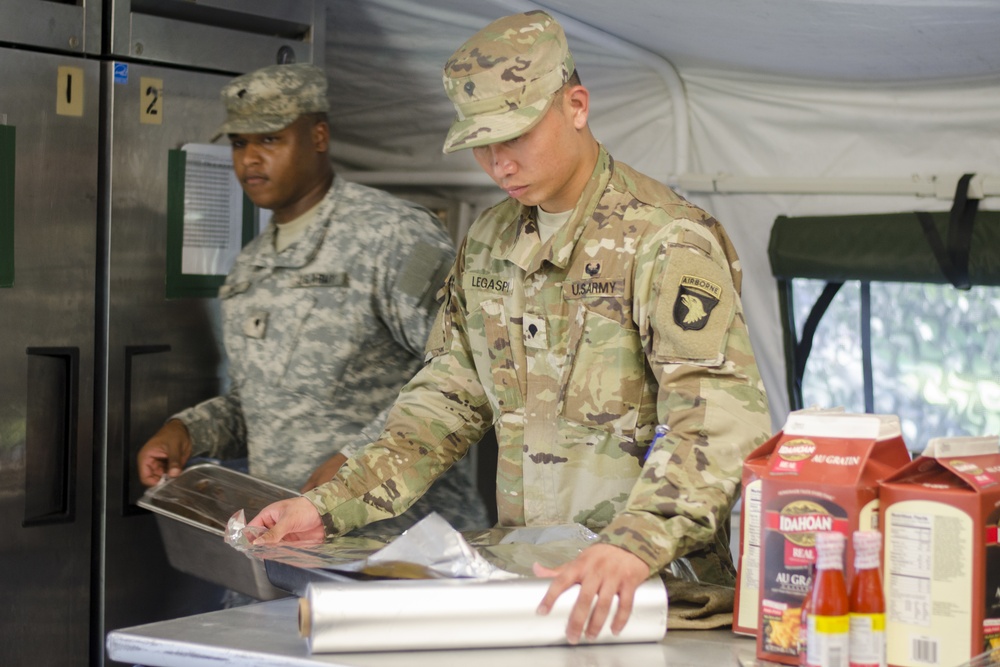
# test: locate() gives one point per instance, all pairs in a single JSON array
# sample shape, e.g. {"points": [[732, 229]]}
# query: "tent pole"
{"points": [[940, 186]]}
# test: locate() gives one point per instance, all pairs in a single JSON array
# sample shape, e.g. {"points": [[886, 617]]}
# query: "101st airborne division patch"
{"points": [[696, 297]]}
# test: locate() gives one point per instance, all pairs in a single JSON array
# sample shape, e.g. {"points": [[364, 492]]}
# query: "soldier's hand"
{"points": [[291, 520], [325, 472], [604, 572], [165, 453]]}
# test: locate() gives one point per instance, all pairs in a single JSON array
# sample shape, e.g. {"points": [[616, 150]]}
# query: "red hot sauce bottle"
{"points": [[867, 603], [804, 617], [828, 634]]}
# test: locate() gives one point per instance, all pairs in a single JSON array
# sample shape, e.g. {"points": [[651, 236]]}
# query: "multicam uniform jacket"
{"points": [[321, 337], [575, 349]]}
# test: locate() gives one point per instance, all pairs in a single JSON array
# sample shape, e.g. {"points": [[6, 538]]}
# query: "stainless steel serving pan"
{"points": [[192, 511]]}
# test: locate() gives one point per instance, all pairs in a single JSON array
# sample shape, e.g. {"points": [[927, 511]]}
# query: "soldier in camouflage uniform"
{"points": [[587, 308], [325, 314]]}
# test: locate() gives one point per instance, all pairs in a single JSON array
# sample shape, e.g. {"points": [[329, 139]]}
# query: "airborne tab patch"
{"points": [[696, 297]]}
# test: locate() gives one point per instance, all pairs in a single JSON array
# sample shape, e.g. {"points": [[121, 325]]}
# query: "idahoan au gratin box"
{"points": [[941, 568], [820, 473], [747, 604]]}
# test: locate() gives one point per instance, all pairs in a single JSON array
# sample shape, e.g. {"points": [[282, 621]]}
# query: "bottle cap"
{"points": [[830, 551], [866, 549]]}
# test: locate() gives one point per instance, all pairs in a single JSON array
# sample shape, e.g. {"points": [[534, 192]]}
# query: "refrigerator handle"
{"points": [[50, 437], [131, 487]]}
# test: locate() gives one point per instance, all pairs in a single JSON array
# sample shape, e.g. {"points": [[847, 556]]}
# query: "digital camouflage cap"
{"points": [[502, 80], [272, 98]]}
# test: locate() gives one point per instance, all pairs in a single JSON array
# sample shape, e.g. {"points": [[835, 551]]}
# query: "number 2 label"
{"points": [[151, 101]]}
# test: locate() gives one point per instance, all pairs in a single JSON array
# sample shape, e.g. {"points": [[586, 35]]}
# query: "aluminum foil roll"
{"points": [[450, 614]]}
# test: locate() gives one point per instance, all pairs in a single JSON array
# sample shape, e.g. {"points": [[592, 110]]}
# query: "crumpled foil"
{"points": [[238, 534], [432, 549]]}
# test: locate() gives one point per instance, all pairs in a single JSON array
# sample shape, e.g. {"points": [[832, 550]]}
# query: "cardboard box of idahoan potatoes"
{"points": [[820, 473], [941, 568]]}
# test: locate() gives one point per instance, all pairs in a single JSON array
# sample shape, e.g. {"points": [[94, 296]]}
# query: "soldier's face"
{"points": [[546, 165], [279, 169]]}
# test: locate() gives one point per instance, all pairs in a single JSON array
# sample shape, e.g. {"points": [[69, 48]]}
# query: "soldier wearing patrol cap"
{"points": [[325, 314], [588, 308]]}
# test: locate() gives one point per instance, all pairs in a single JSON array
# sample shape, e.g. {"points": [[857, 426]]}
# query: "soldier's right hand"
{"points": [[289, 520], [165, 453]]}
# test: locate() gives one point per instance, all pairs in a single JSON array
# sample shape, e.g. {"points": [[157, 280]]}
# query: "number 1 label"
{"points": [[69, 91]]}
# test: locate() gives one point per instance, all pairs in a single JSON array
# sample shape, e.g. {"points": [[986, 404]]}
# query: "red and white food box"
{"points": [[820, 473], [941, 568]]}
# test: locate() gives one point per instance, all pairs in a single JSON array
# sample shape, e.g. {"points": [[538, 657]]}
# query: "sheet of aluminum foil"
{"points": [[367, 616], [430, 549]]}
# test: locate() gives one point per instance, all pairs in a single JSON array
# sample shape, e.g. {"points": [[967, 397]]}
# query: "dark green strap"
{"points": [[953, 258], [963, 215], [7, 152], [866, 346], [804, 345]]}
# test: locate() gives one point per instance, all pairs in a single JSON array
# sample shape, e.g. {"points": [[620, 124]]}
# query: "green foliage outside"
{"points": [[935, 356]]}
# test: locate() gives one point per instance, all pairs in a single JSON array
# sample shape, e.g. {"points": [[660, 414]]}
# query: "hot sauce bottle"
{"points": [[804, 617], [867, 603], [827, 639]]}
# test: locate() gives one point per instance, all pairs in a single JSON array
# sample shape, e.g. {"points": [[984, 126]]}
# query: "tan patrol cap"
{"points": [[272, 98], [502, 80]]}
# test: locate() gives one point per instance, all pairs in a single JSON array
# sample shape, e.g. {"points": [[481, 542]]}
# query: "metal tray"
{"points": [[192, 511]]}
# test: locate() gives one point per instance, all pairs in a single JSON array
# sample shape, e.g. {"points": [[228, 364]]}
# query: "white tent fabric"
{"points": [[859, 89]]}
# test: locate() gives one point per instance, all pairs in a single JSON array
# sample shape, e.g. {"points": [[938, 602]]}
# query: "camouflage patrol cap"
{"points": [[272, 98], [502, 80]]}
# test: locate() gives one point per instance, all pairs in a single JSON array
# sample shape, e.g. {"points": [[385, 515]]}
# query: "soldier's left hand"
{"points": [[603, 572]]}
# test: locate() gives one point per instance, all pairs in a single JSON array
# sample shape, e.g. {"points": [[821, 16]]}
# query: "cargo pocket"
{"points": [[233, 309], [604, 376], [318, 339], [494, 360]]}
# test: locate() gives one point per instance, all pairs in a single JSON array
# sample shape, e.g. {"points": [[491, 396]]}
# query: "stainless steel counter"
{"points": [[266, 635]]}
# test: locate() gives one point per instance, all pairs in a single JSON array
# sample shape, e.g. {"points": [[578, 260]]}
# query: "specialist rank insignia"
{"points": [[696, 297]]}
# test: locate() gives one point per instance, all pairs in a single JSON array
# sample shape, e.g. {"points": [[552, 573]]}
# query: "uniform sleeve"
{"points": [[409, 272], [438, 415], [412, 266], [709, 393], [217, 427]]}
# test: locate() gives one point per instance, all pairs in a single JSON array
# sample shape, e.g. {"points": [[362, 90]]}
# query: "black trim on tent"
{"points": [[954, 259], [892, 247], [866, 346]]}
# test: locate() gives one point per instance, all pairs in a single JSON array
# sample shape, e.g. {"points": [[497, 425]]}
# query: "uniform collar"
{"points": [[304, 249], [519, 242]]}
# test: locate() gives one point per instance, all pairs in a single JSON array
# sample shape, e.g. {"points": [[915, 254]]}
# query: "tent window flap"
{"points": [[889, 247]]}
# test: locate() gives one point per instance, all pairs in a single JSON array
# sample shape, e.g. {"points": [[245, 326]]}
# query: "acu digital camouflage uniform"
{"points": [[321, 337], [575, 349]]}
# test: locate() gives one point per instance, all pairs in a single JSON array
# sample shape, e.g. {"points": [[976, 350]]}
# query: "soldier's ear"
{"points": [[577, 100], [321, 136]]}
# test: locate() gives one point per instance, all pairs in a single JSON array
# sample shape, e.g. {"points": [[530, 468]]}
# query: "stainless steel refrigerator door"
{"points": [[162, 354], [224, 35], [49, 121], [70, 27]]}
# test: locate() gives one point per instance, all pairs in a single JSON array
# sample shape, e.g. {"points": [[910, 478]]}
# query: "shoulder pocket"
{"points": [[440, 335]]}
